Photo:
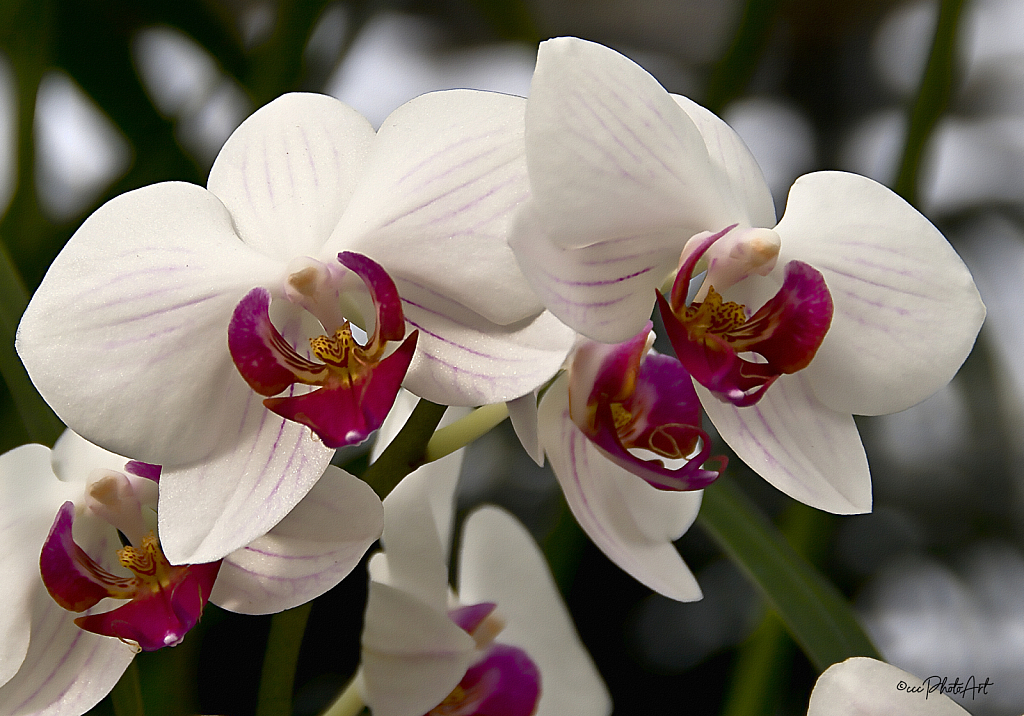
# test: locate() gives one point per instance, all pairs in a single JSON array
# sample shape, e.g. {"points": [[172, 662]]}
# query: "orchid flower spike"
{"points": [[503, 644], [853, 303], [236, 334], [867, 687], [56, 662]]}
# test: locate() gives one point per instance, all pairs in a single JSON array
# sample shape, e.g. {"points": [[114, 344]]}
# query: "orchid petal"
{"points": [[861, 686], [605, 290], [415, 538], [602, 136], [501, 563], [138, 300], [743, 184], [273, 463], [305, 554], [810, 452], [633, 523], [412, 654], [522, 413], [505, 682], [463, 359], [287, 173], [433, 206], [73, 458], [29, 498], [66, 671], [906, 309]]}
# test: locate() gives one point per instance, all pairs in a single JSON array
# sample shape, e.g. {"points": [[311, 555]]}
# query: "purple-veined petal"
{"points": [[443, 179], [500, 562], [610, 153], [287, 173], [139, 300], [389, 325], [906, 308], [263, 357], [633, 523], [505, 682], [742, 183], [605, 290], [66, 670], [30, 496], [803, 448], [264, 466], [412, 654], [155, 619], [861, 686], [464, 359], [347, 414], [306, 553]]}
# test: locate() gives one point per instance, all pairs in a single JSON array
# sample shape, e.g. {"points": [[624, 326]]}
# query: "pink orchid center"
{"points": [[503, 682], [729, 350], [356, 384], [631, 402], [164, 600]]}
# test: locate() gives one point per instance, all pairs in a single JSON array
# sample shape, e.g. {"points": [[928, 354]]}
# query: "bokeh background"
{"points": [[101, 96]]}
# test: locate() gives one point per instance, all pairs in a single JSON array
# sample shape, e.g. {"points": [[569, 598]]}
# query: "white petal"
{"points": [[443, 179], [522, 412], [866, 687], [633, 523], [463, 359], [501, 563], [742, 183], [286, 174], [610, 153], [605, 290], [262, 468], [906, 308], [30, 497], [67, 670], [413, 655], [803, 448], [306, 553], [126, 336], [73, 458], [417, 523]]}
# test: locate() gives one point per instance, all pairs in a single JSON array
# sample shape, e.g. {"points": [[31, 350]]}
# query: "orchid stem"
{"points": [[349, 703], [278, 678], [406, 452], [465, 430]]}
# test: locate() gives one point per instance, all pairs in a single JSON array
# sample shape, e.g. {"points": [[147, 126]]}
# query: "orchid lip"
{"points": [[640, 400], [711, 336], [356, 384], [165, 601], [506, 682]]}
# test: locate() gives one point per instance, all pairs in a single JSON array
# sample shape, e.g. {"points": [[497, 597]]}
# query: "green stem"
{"points": [[349, 703], [817, 615], [278, 678], [407, 451], [127, 694], [734, 70], [932, 97], [464, 431]]}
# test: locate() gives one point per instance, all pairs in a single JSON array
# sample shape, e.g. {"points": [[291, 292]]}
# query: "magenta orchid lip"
{"points": [[710, 336], [356, 385], [636, 399]]}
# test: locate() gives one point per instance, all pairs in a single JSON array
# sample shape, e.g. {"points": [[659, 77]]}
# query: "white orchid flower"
{"points": [[503, 643], [56, 662], [852, 304], [167, 297]]}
